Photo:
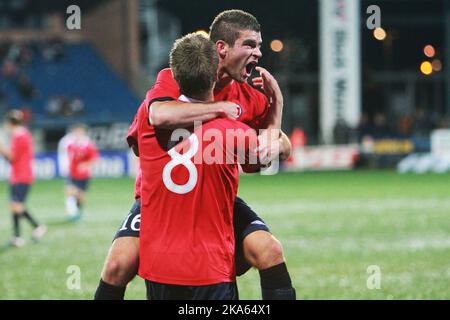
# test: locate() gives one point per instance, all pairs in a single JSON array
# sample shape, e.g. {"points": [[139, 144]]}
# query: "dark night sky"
{"points": [[285, 19]]}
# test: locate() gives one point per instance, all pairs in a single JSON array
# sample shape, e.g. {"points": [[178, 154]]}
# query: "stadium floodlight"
{"points": [[429, 51], [426, 68], [276, 45], [437, 65], [379, 34]]}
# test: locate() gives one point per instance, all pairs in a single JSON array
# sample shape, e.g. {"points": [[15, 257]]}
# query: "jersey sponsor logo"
{"points": [[215, 146]]}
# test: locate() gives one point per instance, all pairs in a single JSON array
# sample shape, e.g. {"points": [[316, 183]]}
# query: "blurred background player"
{"points": [[63, 156], [20, 155], [82, 154]]}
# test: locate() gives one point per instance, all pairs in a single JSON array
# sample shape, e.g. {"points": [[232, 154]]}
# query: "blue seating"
{"points": [[80, 73]]}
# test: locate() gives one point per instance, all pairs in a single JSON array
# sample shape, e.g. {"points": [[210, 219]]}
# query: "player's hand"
{"points": [[84, 166], [230, 110], [267, 83], [2, 148], [269, 146]]}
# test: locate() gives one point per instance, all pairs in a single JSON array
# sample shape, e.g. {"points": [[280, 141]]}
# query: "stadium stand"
{"points": [[62, 84]]}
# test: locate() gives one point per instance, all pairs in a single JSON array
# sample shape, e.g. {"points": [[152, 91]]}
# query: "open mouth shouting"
{"points": [[249, 68]]}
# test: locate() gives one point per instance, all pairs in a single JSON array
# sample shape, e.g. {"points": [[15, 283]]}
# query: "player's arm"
{"points": [[248, 151], [175, 114], [6, 153], [270, 86], [272, 147], [285, 146], [272, 121]]}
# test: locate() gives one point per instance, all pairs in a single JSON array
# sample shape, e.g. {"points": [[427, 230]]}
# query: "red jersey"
{"points": [[22, 153], [187, 235], [137, 185], [80, 152]]}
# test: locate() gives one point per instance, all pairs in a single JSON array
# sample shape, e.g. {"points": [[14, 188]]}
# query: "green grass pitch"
{"points": [[333, 226]]}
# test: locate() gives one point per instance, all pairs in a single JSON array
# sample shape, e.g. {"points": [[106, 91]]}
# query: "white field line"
{"points": [[361, 245], [364, 205]]}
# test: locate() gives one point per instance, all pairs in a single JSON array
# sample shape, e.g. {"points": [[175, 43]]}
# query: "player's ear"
{"points": [[222, 48]]}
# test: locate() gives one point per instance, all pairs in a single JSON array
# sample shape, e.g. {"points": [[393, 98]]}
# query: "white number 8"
{"points": [[184, 160]]}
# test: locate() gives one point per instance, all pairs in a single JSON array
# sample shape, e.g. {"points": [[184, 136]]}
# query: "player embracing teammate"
{"points": [[237, 40]]}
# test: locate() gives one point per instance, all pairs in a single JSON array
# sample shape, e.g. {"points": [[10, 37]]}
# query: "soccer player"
{"points": [[62, 154], [82, 154], [187, 240], [237, 37], [20, 155]]}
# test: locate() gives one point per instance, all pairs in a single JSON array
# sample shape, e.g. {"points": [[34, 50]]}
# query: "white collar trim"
{"points": [[187, 99]]}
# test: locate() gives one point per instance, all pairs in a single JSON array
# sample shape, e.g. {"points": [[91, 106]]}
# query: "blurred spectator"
{"points": [[364, 127], [13, 53], [54, 106], [381, 128], [77, 105], [405, 125], [26, 88], [342, 132], [422, 125], [25, 55], [2, 102], [64, 107], [443, 123], [53, 50], [9, 70]]}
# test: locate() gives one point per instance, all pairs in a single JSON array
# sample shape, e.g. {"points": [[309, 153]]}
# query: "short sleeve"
{"points": [[132, 135], [165, 88]]}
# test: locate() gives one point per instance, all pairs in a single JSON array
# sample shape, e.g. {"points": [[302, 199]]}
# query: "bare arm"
{"points": [[175, 114], [7, 154], [273, 120], [285, 147], [259, 151], [273, 92]]}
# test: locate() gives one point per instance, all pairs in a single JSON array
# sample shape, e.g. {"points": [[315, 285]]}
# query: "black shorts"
{"points": [[220, 291], [132, 224], [81, 184], [18, 192], [245, 221]]}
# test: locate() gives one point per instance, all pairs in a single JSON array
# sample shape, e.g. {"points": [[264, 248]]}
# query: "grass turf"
{"points": [[333, 226]]}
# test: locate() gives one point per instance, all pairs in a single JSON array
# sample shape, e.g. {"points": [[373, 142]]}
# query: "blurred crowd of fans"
{"points": [[15, 58], [417, 125]]}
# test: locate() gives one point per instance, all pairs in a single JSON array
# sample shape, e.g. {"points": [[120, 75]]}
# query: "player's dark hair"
{"points": [[194, 62], [14, 117], [227, 25]]}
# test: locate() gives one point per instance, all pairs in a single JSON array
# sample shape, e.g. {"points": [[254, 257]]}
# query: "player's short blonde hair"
{"points": [[194, 63], [14, 117]]}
